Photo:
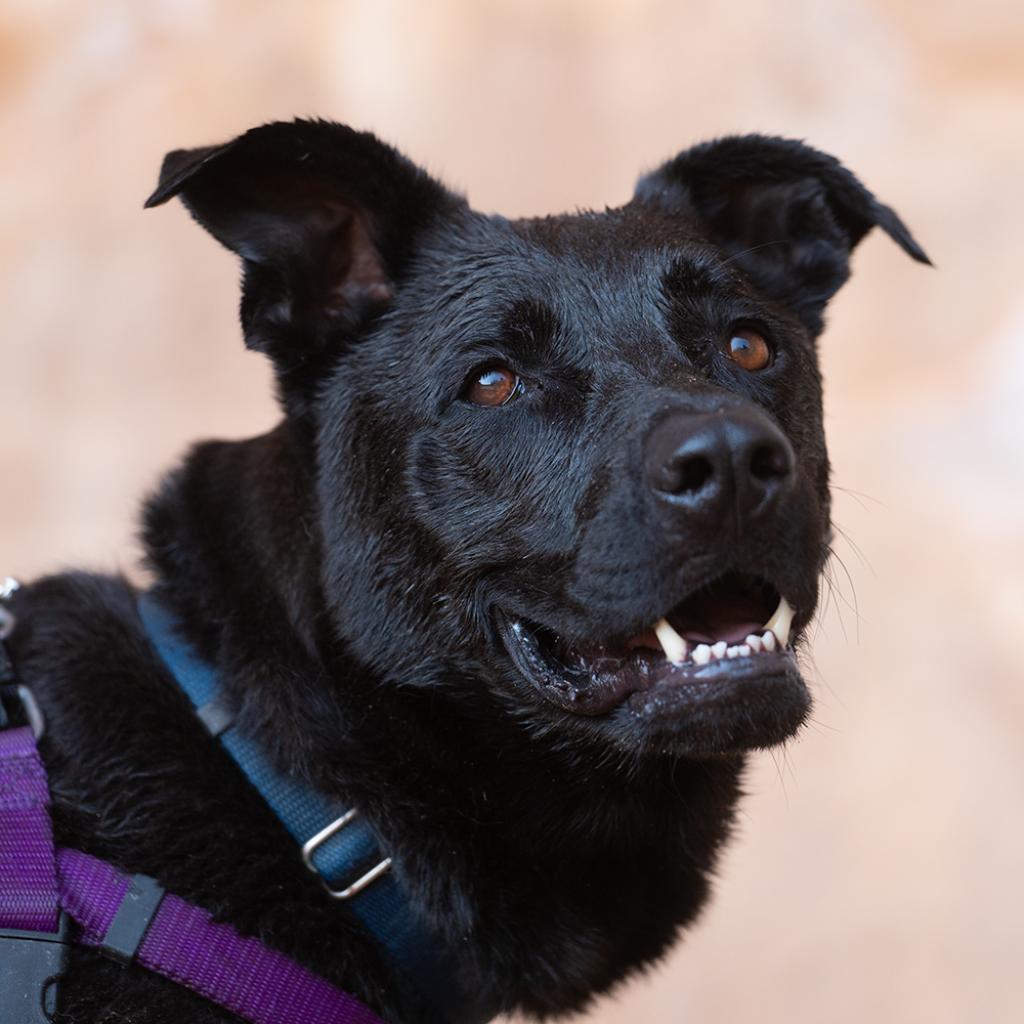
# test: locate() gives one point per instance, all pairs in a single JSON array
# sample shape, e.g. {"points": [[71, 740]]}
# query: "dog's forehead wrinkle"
{"points": [[472, 280], [700, 270]]}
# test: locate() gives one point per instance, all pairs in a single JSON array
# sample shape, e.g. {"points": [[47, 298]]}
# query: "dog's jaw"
{"points": [[716, 674]]}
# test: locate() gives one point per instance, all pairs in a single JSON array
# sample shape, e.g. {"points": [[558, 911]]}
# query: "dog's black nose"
{"points": [[705, 463]]}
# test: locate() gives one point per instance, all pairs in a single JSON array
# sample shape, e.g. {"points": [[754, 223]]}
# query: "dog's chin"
{"points": [[715, 675]]}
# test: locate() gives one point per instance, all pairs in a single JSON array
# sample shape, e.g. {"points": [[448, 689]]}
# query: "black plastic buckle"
{"points": [[31, 964], [131, 922]]}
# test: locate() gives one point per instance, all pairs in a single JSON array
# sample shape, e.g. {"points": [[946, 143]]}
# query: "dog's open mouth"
{"points": [[737, 627]]}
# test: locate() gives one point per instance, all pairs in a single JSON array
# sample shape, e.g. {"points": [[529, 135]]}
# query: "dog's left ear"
{"points": [[325, 219], [787, 214]]}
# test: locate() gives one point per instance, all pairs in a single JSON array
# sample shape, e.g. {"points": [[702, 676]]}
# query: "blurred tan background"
{"points": [[879, 870]]}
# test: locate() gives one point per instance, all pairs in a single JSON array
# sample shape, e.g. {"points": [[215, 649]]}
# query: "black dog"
{"points": [[519, 575]]}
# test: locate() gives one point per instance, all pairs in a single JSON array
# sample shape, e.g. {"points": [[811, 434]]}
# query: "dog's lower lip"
{"points": [[589, 689], [594, 679]]}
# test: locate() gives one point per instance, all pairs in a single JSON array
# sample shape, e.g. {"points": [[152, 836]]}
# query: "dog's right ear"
{"points": [[325, 219], [786, 214]]}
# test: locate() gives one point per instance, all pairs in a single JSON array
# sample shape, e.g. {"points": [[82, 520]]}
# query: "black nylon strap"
{"points": [[133, 917]]}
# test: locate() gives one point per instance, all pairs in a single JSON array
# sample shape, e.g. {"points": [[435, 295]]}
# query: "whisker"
{"points": [[819, 618], [808, 663], [780, 773], [753, 248], [859, 496], [820, 727], [855, 605], [855, 548]]}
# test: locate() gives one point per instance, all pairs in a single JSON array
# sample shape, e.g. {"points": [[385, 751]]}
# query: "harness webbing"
{"points": [[171, 937], [28, 871], [182, 942], [348, 860]]}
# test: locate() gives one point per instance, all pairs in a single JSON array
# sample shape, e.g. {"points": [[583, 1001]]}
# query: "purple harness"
{"points": [[51, 897]]}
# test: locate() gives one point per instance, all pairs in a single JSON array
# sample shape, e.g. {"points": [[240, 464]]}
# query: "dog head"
{"points": [[575, 464]]}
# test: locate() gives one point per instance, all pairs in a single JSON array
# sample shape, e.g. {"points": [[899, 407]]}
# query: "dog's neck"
{"points": [[580, 879], [232, 535]]}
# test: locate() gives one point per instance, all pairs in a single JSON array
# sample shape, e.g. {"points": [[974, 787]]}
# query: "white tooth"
{"points": [[769, 641], [701, 654], [671, 642], [754, 643], [718, 650], [744, 650], [780, 622], [732, 652]]}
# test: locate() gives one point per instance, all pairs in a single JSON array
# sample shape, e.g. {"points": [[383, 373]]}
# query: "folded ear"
{"points": [[787, 214], [325, 219]]}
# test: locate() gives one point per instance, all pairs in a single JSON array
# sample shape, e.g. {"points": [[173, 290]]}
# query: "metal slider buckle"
{"points": [[16, 701], [310, 846]]}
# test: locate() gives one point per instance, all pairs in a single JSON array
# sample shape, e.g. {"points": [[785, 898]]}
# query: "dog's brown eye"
{"points": [[494, 385], [748, 349]]}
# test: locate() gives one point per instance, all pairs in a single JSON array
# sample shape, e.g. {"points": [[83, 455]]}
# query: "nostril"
{"points": [[694, 472], [702, 464], [686, 475], [769, 462]]}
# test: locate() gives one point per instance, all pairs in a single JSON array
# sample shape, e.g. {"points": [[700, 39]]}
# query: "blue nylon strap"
{"points": [[304, 812]]}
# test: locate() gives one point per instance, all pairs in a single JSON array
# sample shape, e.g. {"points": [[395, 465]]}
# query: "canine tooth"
{"points": [[701, 654], [780, 622], [671, 642], [769, 641], [718, 650], [753, 642]]}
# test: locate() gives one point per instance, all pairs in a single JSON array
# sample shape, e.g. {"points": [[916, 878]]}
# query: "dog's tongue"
{"points": [[731, 633], [705, 619]]}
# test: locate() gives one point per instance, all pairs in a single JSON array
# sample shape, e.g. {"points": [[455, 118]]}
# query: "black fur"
{"points": [[344, 571]]}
